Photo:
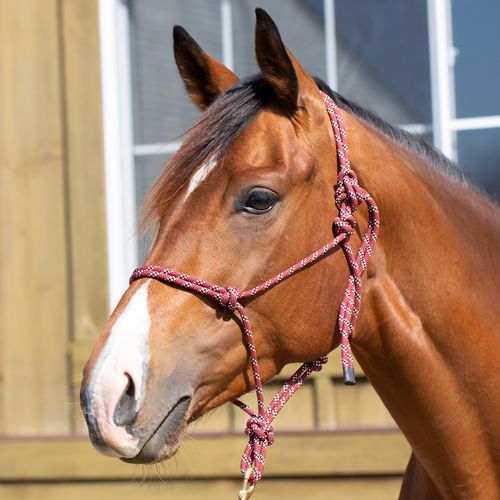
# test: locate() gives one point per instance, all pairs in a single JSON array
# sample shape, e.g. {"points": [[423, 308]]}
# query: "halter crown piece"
{"points": [[348, 196]]}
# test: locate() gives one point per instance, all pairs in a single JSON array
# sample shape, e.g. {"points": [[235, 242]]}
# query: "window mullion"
{"points": [[442, 81], [227, 34], [330, 44]]}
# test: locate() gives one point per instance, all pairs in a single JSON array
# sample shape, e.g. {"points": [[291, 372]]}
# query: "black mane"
{"points": [[432, 156]]}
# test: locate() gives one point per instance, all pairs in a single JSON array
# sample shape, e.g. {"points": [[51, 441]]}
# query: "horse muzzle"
{"points": [[136, 435]]}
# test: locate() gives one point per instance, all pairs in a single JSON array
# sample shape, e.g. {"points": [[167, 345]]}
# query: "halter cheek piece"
{"points": [[348, 196]]}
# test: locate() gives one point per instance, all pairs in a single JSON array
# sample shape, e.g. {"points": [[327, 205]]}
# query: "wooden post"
{"points": [[85, 173]]}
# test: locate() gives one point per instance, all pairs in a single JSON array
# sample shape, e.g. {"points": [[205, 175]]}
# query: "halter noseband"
{"points": [[348, 196]]}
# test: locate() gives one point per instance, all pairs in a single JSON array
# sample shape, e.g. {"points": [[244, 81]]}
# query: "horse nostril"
{"points": [[126, 409]]}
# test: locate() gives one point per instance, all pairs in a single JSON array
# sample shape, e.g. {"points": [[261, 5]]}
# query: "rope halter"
{"points": [[348, 196]]}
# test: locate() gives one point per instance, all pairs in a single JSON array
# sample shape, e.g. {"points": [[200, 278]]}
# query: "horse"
{"points": [[249, 192]]}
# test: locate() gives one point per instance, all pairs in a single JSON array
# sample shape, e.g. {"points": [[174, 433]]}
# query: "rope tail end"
{"points": [[349, 375]]}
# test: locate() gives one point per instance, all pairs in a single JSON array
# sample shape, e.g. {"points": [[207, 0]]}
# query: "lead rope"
{"points": [[348, 196]]}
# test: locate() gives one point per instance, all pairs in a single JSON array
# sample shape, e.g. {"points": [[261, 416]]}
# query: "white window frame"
{"points": [[121, 151], [118, 145]]}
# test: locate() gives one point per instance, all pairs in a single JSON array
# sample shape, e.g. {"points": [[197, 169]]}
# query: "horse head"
{"points": [[250, 191]]}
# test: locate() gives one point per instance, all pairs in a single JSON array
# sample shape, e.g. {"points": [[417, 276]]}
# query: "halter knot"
{"points": [[346, 192], [229, 297], [348, 177], [317, 365], [344, 225], [261, 429]]}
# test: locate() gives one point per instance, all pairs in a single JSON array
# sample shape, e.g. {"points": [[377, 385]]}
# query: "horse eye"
{"points": [[259, 201]]}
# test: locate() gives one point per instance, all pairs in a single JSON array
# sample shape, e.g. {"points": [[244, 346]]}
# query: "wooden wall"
{"points": [[53, 290], [332, 442]]}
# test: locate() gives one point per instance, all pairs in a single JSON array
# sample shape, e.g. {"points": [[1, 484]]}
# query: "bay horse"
{"points": [[249, 192]]}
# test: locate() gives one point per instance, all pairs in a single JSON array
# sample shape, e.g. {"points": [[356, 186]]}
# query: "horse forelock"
{"points": [[209, 139]]}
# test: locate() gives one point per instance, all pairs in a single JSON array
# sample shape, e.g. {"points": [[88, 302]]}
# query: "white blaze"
{"points": [[200, 175], [125, 354]]}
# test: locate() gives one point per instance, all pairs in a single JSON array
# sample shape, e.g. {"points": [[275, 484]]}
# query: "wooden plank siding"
{"points": [[332, 441], [211, 456], [331, 465], [53, 273], [363, 488], [34, 294]]}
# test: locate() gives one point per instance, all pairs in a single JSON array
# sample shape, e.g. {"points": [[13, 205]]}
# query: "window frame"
{"points": [[116, 90], [121, 151]]}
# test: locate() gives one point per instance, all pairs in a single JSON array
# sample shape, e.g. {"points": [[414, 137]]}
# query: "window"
{"points": [[427, 66]]}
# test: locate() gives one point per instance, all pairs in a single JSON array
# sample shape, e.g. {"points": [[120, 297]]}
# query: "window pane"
{"points": [[162, 110], [479, 154], [301, 26], [383, 56], [476, 35], [147, 170]]}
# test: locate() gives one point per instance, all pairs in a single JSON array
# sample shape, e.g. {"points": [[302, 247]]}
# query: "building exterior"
{"points": [[91, 108]]}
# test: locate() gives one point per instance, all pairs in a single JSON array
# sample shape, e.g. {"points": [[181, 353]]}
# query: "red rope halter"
{"points": [[348, 196]]}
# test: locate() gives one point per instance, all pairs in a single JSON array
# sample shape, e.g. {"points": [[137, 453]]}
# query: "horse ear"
{"points": [[279, 67], [204, 76]]}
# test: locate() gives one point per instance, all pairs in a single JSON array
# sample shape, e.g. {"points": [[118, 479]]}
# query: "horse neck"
{"points": [[427, 335]]}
